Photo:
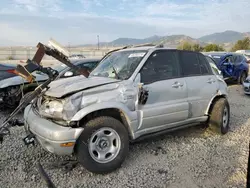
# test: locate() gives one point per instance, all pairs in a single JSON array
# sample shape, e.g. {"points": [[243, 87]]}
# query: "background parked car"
{"points": [[77, 56], [233, 66], [14, 88], [245, 53], [6, 71]]}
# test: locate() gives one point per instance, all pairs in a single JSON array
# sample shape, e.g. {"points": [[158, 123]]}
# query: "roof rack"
{"points": [[133, 46], [145, 45]]}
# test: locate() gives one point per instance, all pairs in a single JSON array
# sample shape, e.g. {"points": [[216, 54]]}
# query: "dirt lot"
{"points": [[190, 158]]}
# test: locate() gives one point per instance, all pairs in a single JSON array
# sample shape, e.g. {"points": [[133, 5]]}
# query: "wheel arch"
{"points": [[118, 112], [212, 102]]}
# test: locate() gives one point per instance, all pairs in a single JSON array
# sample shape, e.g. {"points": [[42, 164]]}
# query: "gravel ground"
{"points": [[188, 158]]}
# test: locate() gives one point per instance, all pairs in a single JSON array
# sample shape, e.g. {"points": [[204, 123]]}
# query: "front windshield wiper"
{"points": [[114, 71]]}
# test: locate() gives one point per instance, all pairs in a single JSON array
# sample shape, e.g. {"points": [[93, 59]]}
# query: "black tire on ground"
{"points": [[242, 77], [82, 145], [216, 121]]}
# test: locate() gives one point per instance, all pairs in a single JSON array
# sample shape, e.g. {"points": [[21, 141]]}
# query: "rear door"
{"points": [[167, 98], [201, 82]]}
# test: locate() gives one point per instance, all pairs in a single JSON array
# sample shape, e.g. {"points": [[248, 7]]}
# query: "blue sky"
{"points": [[25, 22]]}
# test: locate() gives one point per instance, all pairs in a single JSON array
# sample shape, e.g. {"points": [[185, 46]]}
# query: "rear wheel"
{"points": [[220, 116], [103, 145]]}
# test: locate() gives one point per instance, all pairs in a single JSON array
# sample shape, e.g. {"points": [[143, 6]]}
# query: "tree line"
{"points": [[243, 44]]}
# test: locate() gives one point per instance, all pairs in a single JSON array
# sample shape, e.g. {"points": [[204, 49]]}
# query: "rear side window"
{"points": [[190, 64]]}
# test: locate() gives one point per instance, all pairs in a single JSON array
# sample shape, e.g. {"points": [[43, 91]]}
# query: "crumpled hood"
{"points": [[18, 80], [65, 86]]}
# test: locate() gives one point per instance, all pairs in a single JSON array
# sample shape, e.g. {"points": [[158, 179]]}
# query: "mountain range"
{"points": [[226, 39]]}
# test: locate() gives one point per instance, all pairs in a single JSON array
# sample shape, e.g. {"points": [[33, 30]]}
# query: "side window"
{"points": [[203, 65], [239, 59], [232, 59], [190, 64], [161, 65]]}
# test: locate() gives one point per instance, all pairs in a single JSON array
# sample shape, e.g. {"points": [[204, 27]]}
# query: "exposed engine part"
{"points": [[10, 96], [143, 95]]}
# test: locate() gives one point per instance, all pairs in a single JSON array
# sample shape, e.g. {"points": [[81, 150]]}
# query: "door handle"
{"points": [[177, 85], [210, 81]]}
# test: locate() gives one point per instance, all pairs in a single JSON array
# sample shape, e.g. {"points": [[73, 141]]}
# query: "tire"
{"points": [[218, 121], [86, 151], [242, 77]]}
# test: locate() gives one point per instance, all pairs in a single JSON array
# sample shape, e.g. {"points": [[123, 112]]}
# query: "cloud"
{"points": [[37, 5], [79, 21]]}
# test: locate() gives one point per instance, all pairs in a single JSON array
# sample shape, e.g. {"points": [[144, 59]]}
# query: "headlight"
{"points": [[52, 109]]}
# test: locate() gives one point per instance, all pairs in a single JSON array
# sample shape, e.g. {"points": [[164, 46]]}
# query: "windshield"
{"points": [[119, 65]]}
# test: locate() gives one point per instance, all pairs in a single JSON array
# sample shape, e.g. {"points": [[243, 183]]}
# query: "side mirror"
{"points": [[138, 79], [68, 74]]}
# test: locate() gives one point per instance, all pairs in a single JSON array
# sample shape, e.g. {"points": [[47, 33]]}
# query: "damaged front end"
{"points": [[25, 72]]}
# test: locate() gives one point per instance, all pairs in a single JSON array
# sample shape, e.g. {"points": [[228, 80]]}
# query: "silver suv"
{"points": [[132, 93]]}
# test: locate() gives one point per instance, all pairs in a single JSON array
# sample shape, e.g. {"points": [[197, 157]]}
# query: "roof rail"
{"points": [[145, 45]]}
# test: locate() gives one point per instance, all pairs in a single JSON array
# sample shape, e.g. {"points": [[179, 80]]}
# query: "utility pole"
{"points": [[98, 42]]}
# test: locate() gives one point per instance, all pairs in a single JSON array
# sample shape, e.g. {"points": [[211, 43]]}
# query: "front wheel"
{"points": [[103, 145]]}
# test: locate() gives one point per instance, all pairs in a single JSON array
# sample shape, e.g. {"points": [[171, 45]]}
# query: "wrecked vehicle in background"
{"points": [[15, 88], [246, 86], [132, 93], [233, 66], [6, 71]]}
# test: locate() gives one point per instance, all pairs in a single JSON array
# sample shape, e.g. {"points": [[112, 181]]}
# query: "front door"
{"points": [[167, 98]]}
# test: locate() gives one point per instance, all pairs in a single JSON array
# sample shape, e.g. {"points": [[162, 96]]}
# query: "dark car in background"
{"points": [[233, 66], [6, 71], [15, 88]]}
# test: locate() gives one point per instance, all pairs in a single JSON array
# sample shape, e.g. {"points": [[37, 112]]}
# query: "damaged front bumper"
{"points": [[246, 87], [52, 137]]}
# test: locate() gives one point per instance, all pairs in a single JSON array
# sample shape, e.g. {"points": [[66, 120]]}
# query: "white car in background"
{"points": [[77, 56], [245, 53]]}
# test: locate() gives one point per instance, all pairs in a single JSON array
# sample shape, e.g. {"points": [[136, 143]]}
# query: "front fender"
{"points": [[131, 116]]}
